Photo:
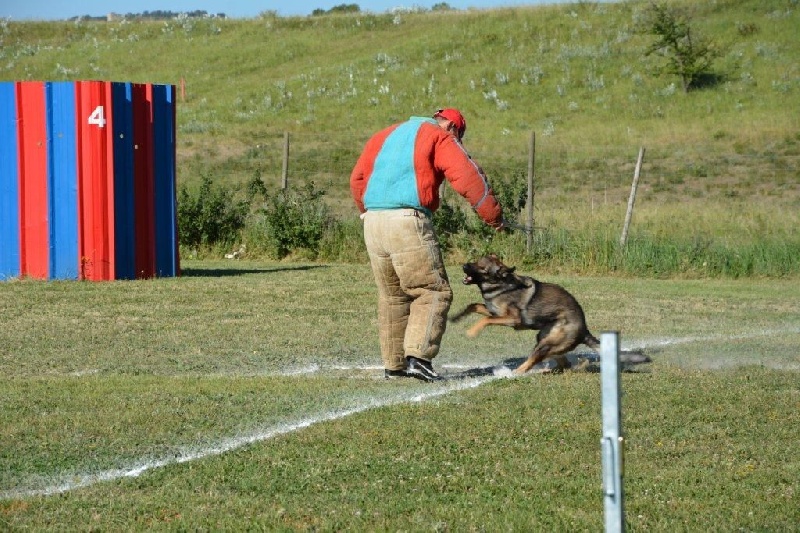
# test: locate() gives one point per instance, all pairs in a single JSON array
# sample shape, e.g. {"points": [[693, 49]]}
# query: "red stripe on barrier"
{"points": [[109, 140], [144, 201], [95, 181], [33, 203]]}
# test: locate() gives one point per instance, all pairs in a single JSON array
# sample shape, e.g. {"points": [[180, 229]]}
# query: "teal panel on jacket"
{"points": [[393, 183]]}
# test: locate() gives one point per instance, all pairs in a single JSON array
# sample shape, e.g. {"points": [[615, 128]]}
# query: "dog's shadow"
{"points": [[477, 372], [589, 362]]}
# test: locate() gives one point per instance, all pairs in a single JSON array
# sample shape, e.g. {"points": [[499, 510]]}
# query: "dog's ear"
{"points": [[506, 271]]}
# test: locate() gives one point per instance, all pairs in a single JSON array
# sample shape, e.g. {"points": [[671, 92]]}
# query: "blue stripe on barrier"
{"points": [[62, 180], [164, 180], [124, 212], [9, 183]]}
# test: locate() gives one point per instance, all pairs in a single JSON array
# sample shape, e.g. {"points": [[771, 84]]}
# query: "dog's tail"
{"points": [[591, 341]]}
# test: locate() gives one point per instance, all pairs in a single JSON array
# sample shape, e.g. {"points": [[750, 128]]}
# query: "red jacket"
{"points": [[403, 166]]}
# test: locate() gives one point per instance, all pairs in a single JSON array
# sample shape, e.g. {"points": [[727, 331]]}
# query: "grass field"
{"points": [[249, 396]]}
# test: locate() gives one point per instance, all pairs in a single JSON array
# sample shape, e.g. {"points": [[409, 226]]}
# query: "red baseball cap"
{"points": [[455, 116]]}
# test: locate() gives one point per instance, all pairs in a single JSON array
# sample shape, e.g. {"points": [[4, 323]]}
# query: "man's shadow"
{"points": [[225, 272]]}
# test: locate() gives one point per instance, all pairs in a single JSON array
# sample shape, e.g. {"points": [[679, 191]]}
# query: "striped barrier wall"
{"points": [[87, 180]]}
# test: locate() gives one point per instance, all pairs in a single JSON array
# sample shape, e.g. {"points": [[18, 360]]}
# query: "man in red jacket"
{"points": [[395, 185]]}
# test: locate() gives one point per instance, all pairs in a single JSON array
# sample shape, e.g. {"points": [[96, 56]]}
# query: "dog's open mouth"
{"points": [[467, 280]]}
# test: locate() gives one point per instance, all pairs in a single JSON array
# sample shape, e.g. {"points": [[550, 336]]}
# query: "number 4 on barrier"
{"points": [[98, 117]]}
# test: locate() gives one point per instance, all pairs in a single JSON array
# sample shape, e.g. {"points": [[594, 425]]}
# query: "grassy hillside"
{"points": [[721, 162], [575, 71]]}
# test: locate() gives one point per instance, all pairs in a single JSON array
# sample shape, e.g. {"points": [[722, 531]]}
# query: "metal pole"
{"points": [[612, 445]]}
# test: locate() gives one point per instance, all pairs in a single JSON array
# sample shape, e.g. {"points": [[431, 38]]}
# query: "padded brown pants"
{"points": [[414, 293]]}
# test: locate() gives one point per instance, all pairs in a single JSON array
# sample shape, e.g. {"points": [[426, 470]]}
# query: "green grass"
{"points": [[208, 380], [721, 163]]}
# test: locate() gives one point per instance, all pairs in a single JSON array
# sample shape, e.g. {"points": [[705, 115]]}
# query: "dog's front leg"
{"points": [[471, 308], [478, 327], [539, 354], [492, 321]]}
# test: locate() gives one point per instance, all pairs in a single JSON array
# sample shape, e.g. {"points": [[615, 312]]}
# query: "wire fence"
{"points": [[587, 174]]}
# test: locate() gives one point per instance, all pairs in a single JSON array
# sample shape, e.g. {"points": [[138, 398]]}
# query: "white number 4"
{"points": [[98, 117]]}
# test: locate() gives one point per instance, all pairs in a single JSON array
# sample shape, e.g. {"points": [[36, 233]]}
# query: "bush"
{"points": [[344, 242], [211, 217], [449, 220], [296, 220], [457, 228]]}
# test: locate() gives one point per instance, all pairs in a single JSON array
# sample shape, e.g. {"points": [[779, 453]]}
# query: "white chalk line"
{"points": [[635, 345], [84, 480], [314, 368], [77, 481], [625, 346], [656, 342]]}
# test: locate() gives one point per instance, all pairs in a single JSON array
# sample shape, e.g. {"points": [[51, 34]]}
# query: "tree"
{"points": [[339, 9], [688, 54]]}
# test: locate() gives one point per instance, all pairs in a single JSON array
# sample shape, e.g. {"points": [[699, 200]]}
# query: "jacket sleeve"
{"points": [[364, 166], [468, 179], [358, 180]]}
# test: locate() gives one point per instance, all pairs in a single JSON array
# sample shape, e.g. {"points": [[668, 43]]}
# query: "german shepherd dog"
{"points": [[526, 303]]}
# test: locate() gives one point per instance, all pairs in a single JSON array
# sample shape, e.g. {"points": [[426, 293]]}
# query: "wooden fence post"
{"points": [[629, 213], [285, 170], [531, 193]]}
